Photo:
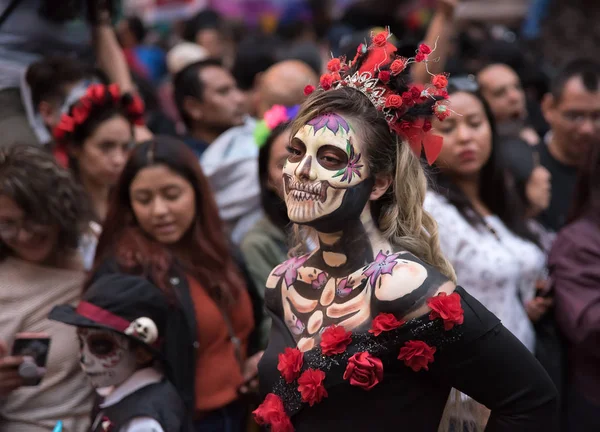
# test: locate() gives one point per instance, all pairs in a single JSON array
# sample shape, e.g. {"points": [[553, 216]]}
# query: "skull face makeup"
{"points": [[326, 180], [106, 357]]}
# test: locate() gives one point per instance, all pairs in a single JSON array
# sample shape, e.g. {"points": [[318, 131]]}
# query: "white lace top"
{"points": [[499, 271]]}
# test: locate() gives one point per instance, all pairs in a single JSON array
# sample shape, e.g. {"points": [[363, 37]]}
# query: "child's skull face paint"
{"points": [[324, 171], [106, 357]]}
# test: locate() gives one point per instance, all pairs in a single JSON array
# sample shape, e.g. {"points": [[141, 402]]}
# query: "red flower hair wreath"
{"points": [[98, 96]]}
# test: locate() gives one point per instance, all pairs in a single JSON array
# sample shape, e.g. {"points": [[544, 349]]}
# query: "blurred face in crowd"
{"points": [[212, 41], [222, 105], [27, 239], [538, 190], [102, 156], [51, 109], [467, 137], [501, 87], [163, 202], [574, 119], [277, 158]]}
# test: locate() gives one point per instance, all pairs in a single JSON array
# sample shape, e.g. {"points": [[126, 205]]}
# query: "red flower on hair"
{"points": [[135, 110], [334, 65], [425, 49], [64, 127], [416, 355], [326, 81], [81, 111], [310, 386], [114, 91], [335, 339], [290, 364], [96, 93], [272, 412], [405, 125], [364, 370], [384, 76], [385, 321], [408, 98], [393, 101], [440, 81], [448, 308], [427, 125], [308, 90], [380, 39], [442, 93], [420, 57], [397, 66], [416, 92], [441, 111]]}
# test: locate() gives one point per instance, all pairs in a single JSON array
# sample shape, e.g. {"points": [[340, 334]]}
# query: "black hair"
{"points": [[187, 83], [586, 69], [137, 28], [496, 185], [586, 197], [254, 55], [206, 20], [273, 206], [306, 52], [48, 78]]}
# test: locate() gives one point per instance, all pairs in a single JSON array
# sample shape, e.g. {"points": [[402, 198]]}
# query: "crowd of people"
{"points": [[222, 229]]}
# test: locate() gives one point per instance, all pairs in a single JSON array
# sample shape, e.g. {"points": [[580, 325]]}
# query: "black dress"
{"points": [[478, 357]]}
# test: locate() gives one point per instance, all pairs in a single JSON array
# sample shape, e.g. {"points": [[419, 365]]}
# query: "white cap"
{"points": [[184, 54]]}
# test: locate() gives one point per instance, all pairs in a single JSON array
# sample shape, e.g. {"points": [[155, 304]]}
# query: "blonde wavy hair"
{"points": [[398, 214]]}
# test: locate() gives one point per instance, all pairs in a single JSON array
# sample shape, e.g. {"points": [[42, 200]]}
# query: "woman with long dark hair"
{"points": [[163, 224], [574, 265], [484, 230]]}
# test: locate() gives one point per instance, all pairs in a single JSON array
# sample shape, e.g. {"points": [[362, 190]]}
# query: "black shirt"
{"points": [[480, 358], [564, 178]]}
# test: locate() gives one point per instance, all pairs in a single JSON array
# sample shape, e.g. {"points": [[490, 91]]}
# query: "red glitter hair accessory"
{"points": [[98, 96], [377, 72]]}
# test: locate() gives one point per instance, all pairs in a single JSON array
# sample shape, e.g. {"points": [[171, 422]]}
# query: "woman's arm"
{"points": [[498, 371]]}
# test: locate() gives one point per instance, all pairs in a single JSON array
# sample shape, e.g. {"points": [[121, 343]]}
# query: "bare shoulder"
{"points": [[408, 283]]}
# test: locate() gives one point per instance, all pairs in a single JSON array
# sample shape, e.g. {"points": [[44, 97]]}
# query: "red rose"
{"points": [[416, 92], [96, 93], [64, 127], [386, 321], [81, 111], [393, 101], [448, 308], [380, 39], [397, 66], [442, 93], [290, 364], [424, 48], [440, 81], [334, 65], [441, 111], [416, 355], [364, 370], [405, 126], [271, 412], [408, 98], [384, 76], [310, 386], [420, 57], [335, 340], [326, 81], [308, 90], [427, 125]]}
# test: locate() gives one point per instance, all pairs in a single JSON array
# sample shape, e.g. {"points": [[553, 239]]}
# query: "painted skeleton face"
{"points": [[325, 174], [106, 357]]}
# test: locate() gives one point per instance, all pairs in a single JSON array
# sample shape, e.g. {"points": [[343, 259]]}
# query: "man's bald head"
{"points": [[283, 84]]}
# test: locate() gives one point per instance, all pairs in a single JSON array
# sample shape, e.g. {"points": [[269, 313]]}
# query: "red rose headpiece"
{"points": [[97, 97], [376, 72]]}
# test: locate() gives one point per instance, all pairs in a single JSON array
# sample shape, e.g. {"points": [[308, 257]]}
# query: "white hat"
{"points": [[184, 54]]}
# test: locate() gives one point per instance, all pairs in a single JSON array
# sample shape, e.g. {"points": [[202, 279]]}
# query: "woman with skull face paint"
{"points": [[42, 216], [163, 224], [372, 321], [121, 322]]}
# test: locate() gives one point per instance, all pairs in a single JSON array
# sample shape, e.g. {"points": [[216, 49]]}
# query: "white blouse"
{"points": [[498, 270]]}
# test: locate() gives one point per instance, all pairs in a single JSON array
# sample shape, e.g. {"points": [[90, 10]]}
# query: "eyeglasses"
{"points": [[10, 230], [465, 83]]}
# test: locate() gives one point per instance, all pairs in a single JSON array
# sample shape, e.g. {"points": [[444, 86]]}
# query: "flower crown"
{"points": [[98, 96], [275, 116], [376, 71]]}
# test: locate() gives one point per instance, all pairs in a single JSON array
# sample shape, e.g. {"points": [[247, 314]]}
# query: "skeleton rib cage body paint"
{"points": [[354, 274]]}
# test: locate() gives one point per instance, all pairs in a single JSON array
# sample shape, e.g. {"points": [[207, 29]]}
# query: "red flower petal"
{"points": [[385, 322], [272, 412], [290, 364], [380, 39], [334, 340], [310, 386], [364, 370], [416, 355], [334, 65], [425, 49], [308, 90], [448, 308]]}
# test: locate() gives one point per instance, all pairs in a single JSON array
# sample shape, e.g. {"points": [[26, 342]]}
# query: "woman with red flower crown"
{"points": [[97, 133], [386, 334]]}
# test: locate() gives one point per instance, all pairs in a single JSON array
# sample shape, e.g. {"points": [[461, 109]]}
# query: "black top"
{"points": [[480, 358], [563, 182]]}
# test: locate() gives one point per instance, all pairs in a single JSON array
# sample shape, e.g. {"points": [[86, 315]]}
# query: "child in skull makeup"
{"points": [[121, 323]]}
